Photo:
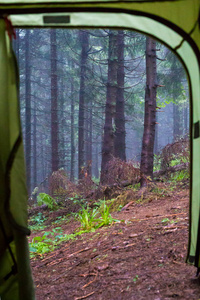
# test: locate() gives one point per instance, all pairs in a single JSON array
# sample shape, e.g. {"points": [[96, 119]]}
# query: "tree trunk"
{"points": [[186, 131], [96, 159], [62, 148], [84, 40], [150, 111], [156, 149], [120, 133], [28, 110], [54, 102], [89, 138], [72, 132], [177, 122], [34, 147], [108, 138]]}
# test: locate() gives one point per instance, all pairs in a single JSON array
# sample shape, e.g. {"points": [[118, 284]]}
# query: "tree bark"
{"points": [[120, 132], [72, 131], [96, 159], [54, 102], [28, 110], [88, 139], [176, 122], [111, 92], [147, 154], [34, 146], [84, 40]]}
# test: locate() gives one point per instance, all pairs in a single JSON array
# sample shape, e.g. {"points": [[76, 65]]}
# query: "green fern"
{"points": [[44, 198]]}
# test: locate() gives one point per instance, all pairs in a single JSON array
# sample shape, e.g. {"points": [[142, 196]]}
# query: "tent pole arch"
{"points": [[174, 22]]}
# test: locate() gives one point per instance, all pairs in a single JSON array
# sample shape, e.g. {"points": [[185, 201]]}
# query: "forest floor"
{"points": [[140, 258]]}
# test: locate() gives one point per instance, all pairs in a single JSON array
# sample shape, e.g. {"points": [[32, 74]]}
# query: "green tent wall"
{"points": [[173, 22]]}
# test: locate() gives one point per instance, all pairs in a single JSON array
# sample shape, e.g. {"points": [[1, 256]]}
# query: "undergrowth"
{"points": [[90, 220], [49, 241], [44, 198], [37, 222]]}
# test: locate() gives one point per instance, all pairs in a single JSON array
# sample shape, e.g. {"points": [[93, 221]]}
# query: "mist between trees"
{"points": [[87, 96]]}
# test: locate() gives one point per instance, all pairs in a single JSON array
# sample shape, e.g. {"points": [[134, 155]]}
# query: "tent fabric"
{"points": [[13, 212], [173, 22]]}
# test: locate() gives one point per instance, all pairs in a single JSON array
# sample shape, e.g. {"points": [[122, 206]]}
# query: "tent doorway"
{"points": [[175, 21]]}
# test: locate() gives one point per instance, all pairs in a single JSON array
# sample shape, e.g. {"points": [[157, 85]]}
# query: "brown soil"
{"points": [[142, 258]]}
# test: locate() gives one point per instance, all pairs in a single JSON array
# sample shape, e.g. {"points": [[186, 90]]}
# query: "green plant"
{"points": [[40, 245], [136, 186], [100, 203], [95, 180], [157, 162], [120, 207], [90, 221], [106, 218], [165, 220], [39, 219], [176, 160], [49, 241], [61, 219], [77, 200], [135, 278], [87, 218], [44, 198], [38, 222], [180, 175]]}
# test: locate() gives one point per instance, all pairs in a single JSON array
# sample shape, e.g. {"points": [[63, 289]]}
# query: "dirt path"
{"points": [[142, 258]]}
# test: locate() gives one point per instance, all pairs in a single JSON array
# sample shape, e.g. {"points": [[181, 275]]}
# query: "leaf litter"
{"points": [[140, 258]]}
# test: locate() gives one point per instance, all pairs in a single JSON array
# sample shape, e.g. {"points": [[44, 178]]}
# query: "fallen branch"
{"points": [[158, 216], [82, 250], [90, 282], [127, 205], [83, 297], [177, 262], [54, 262], [63, 258], [174, 227]]}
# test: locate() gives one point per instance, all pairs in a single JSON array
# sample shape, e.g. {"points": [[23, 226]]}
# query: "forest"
{"points": [[89, 96], [105, 121]]}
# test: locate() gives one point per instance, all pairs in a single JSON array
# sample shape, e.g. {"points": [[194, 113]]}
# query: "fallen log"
{"points": [[105, 190], [173, 169]]}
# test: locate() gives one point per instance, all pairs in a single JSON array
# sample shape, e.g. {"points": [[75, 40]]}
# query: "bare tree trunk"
{"points": [[96, 159], [176, 122], [84, 39], [120, 132], [72, 132], [156, 150], [34, 146], [150, 111], [108, 138], [54, 102], [28, 110], [89, 138]]}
